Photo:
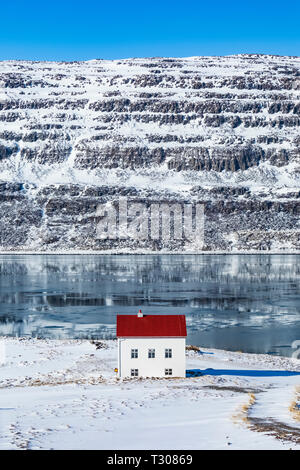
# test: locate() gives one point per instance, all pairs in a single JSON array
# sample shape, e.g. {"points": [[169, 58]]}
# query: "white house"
{"points": [[151, 345]]}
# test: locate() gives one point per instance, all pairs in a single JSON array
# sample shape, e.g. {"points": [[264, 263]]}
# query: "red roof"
{"points": [[151, 325]]}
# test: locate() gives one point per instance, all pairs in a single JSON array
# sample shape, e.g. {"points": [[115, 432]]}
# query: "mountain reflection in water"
{"points": [[237, 302]]}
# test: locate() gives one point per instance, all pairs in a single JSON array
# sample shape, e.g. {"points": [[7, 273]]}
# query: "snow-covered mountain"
{"points": [[223, 131]]}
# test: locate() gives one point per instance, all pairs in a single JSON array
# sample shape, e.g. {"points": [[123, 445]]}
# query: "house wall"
{"points": [[154, 367]]}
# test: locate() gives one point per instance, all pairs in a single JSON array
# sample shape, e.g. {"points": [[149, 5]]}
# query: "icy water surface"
{"points": [[238, 302]]}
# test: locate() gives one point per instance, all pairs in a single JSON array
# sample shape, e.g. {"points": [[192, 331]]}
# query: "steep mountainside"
{"points": [[223, 131]]}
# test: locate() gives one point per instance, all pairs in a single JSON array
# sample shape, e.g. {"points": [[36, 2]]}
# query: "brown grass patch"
{"points": [[233, 388], [190, 347], [269, 426], [274, 428], [243, 412], [295, 405]]}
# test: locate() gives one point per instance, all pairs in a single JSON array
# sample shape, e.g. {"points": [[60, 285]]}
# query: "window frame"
{"points": [[168, 373], [134, 353], [134, 372], [168, 355], [151, 353]]}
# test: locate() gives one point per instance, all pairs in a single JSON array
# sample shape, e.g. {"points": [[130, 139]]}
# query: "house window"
{"points": [[134, 354], [134, 372], [168, 372], [168, 353], [151, 353]]}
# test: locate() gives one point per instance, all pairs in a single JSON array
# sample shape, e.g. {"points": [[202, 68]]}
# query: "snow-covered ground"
{"points": [[64, 395]]}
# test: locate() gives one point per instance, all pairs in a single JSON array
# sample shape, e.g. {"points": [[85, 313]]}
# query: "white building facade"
{"points": [[157, 350]]}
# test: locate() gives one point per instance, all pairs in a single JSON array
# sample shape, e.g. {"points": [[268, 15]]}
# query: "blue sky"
{"points": [[87, 29]]}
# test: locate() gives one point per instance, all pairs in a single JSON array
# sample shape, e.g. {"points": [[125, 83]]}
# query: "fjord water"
{"points": [[249, 303]]}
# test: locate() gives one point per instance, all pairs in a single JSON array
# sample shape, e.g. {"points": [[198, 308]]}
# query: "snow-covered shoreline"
{"points": [[63, 394]]}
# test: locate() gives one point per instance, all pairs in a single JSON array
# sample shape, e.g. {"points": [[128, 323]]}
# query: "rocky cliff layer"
{"points": [[223, 131]]}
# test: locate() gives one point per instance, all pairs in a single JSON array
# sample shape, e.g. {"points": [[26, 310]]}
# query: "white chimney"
{"points": [[140, 314]]}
